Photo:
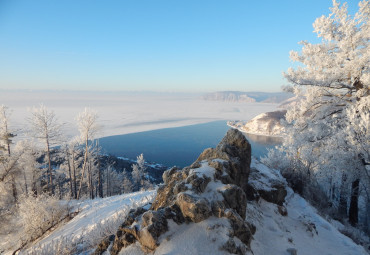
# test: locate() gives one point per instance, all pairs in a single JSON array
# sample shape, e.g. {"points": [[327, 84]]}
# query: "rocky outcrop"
{"points": [[268, 185], [214, 185]]}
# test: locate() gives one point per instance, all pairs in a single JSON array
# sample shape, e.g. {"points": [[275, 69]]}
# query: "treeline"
{"points": [[45, 163]]}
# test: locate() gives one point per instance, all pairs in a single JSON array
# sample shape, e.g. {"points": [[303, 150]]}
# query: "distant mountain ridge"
{"points": [[248, 97]]}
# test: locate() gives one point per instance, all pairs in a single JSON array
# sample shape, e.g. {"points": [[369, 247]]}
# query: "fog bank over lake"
{"points": [[128, 112]]}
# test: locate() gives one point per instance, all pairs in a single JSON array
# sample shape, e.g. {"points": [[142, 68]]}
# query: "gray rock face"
{"points": [[276, 195], [272, 189], [188, 196], [235, 149], [194, 208]]}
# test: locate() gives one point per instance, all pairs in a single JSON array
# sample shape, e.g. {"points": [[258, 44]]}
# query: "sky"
{"points": [[147, 45]]}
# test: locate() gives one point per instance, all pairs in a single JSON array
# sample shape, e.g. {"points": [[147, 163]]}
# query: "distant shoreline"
{"points": [[251, 133]]}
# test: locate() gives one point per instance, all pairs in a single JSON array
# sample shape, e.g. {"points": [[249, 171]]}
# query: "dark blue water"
{"points": [[179, 146]]}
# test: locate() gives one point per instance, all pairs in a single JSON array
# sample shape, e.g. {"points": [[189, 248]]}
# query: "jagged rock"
{"points": [[235, 149], [292, 251], [173, 185], [275, 195], [269, 186], [194, 208], [232, 247], [251, 193], [240, 227], [282, 210], [198, 183], [103, 246], [235, 198], [154, 223], [132, 216]]}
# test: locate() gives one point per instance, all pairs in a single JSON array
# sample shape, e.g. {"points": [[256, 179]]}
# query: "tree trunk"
{"points": [[60, 188], [353, 209], [74, 176], [342, 210], [51, 187], [83, 168], [100, 184], [14, 189], [70, 173], [25, 182]]}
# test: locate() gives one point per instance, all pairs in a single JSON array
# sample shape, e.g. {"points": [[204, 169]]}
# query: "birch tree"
{"points": [[47, 129], [8, 163], [5, 134], [88, 127]]}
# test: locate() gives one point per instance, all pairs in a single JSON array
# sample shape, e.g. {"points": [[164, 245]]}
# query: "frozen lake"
{"points": [[178, 146]]}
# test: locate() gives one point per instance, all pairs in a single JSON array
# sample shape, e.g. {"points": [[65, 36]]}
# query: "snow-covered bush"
{"points": [[62, 246], [39, 214]]}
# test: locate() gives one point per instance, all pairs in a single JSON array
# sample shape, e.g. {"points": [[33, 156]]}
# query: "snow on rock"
{"points": [[202, 238], [267, 124]]}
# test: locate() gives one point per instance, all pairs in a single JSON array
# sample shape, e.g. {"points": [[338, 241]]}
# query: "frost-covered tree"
{"points": [[8, 161], [5, 133], [326, 138], [74, 159], [113, 181], [139, 173], [128, 186], [88, 127], [46, 128]]}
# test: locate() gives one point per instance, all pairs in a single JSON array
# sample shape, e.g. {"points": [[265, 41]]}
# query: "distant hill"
{"points": [[248, 97]]}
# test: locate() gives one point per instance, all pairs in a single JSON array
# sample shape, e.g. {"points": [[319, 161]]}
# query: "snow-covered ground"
{"points": [[128, 112], [95, 219], [302, 230]]}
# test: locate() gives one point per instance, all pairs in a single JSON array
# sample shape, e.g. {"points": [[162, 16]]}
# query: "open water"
{"points": [[178, 146]]}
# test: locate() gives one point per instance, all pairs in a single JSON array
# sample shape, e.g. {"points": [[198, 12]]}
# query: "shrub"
{"points": [[39, 214]]}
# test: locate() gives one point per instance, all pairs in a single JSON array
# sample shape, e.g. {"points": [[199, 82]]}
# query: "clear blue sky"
{"points": [[188, 45]]}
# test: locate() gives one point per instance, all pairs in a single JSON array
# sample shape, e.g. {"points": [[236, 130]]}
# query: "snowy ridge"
{"points": [[302, 230]]}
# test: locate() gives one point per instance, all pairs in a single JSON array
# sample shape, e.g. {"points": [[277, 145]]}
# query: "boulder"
{"points": [[194, 208], [154, 223], [275, 195]]}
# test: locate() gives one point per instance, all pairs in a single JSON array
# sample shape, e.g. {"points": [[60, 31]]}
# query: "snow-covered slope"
{"points": [[95, 219], [263, 124], [302, 230]]}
